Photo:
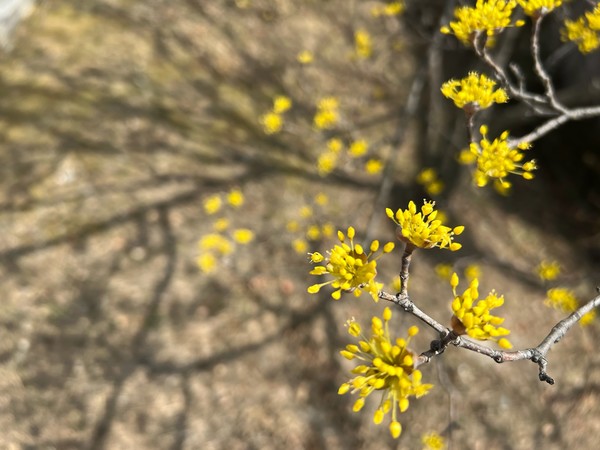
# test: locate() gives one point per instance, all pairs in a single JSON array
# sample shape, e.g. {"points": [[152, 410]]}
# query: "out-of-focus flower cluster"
{"points": [[353, 270], [222, 240], [494, 160], [387, 367], [536, 8], [272, 121], [429, 179], [564, 300], [472, 315], [309, 226], [423, 229], [336, 153], [388, 9], [584, 31]]}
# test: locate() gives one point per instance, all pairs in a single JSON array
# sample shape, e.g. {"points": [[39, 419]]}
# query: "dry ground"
{"points": [[117, 118]]}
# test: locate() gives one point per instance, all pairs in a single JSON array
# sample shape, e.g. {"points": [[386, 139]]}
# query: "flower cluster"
{"points": [[272, 121], [564, 300], [305, 57], [496, 159], [472, 316], [433, 441], [327, 113], [584, 31], [388, 367], [548, 270], [389, 9], [488, 16], [306, 227], [216, 245], [537, 8], [473, 93], [422, 229], [336, 152], [352, 269], [362, 44], [428, 178]]}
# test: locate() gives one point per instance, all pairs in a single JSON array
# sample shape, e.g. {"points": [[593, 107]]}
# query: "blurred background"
{"points": [[122, 121]]}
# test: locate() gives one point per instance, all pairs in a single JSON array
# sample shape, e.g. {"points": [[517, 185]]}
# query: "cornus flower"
{"points": [[422, 229], [474, 92], [561, 299], [351, 268], [373, 166], [433, 441], [584, 31], [327, 113], [428, 178], [472, 316], [271, 122], [496, 159], [388, 368], [548, 270], [565, 300], [362, 44], [281, 104], [538, 8], [305, 57], [391, 9], [488, 16]]}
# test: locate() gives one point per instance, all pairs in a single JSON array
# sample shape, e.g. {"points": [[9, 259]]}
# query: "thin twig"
{"points": [[447, 336]]}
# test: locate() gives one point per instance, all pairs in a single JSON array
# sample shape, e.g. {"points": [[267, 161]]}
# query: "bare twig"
{"points": [[447, 336]]}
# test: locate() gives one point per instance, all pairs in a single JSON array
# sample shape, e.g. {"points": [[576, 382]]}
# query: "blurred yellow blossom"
{"points": [[216, 242], [358, 148], [212, 204], [207, 262], [584, 31], [433, 441], [321, 199], [305, 57], [472, 271], [538, 7], [373, 166], [327, 113], [243, 235], [271, 122], [235, 198], [221, 224], [548, 270], [300, 246], [444, 271], [281, 104], [362, 44], [561, 299]]}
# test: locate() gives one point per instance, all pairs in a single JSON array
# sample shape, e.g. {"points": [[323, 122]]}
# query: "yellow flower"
{"points": [[271, 122], [472, 271], [352, 269], [358, 148], [422, 229], [327, 229], [243, 235], [538, 7], [221, 224], [313, 233], [433, 441], [391, 9], [548, 270], [387, 367], [335, 145], [306, 212], [488, 16], [474, 92], [495, 160], [216, 242], [444, 271], [235, 198], [292, 226], [326, 163], [212, 204], [327, 113], [305, 57], [561, 299], [373, 166], [321, 199], [428, 178], [584, 31], [281, 104], [587, 318], [207, 262], [300, 246], [362, 44], [472, 316]]}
